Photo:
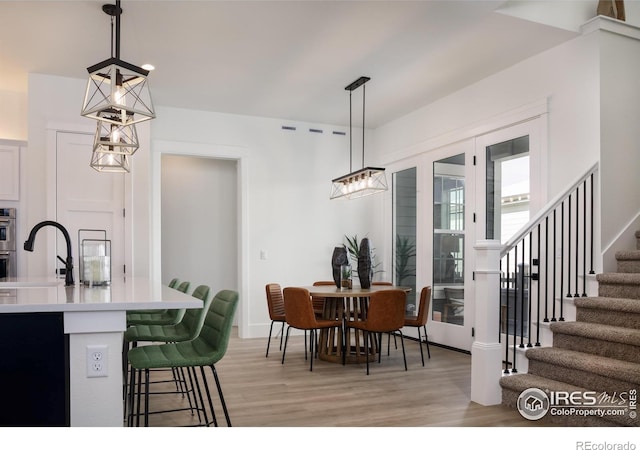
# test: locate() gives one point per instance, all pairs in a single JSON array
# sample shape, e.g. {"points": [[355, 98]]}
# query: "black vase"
{"points": [[338, 259], [364, 264]]}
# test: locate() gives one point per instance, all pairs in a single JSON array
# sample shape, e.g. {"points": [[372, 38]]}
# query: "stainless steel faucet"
{"points": [[28, 246]]}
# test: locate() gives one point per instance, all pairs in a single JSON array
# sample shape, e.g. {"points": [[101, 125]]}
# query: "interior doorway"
{"points": [[199, 221]]}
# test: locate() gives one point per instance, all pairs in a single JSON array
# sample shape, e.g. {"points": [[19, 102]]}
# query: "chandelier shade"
{"points": [[112, 138], [363, 182], [118, 92], [109, 161], [366, 181]]}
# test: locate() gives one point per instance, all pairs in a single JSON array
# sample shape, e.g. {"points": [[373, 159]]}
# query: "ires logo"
{"points": [[534, 403]]}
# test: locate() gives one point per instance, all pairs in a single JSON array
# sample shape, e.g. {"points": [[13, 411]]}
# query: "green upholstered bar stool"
{"points": [[188, 328], [204, 351], [151, 317]]}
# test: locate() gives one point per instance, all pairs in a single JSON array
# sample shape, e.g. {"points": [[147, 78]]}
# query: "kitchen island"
{"points": [[47, 335]]}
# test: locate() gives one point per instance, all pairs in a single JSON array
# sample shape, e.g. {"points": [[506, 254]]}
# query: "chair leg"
{"points": [[312, 338], [404, 356], [281, 335], [420, 344], [366, 349], [222, 402], [146, 397], [286, 340], [426, 339], [269, 340], [206, 390]]}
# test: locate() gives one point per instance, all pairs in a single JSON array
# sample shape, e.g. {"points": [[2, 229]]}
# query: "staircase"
{"points": [[598, 352]]}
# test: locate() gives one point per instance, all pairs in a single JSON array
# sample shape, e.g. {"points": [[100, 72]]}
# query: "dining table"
{"points": [[346, 304]]}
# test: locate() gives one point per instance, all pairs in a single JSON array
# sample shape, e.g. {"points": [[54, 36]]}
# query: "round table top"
{"points": [[356, 291]]}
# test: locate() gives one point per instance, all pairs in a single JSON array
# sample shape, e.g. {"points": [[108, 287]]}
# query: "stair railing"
{"points": [[544, 264]]}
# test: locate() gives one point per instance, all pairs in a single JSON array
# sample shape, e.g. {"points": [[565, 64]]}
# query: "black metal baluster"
{"points": [[515, 307], [555, 267], [522, 277], [547, 268], [584, 239], [577, 237], [561, 297], [592, 196], [568, 254], [537, 278]]}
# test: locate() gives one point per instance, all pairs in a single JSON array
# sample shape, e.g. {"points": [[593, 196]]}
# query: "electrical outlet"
{"points": [[97, 358]]}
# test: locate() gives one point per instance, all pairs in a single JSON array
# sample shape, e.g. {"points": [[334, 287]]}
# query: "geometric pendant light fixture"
{"points": [[363, 182], [117, 91], [106, 161], [112, 147]]}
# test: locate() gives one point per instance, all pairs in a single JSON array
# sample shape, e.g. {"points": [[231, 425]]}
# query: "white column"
{"points": [[95, 402], [486, 351]]}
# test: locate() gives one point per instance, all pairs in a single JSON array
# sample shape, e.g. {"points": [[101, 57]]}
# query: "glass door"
{"points": [[449, 240], [428, 232]]}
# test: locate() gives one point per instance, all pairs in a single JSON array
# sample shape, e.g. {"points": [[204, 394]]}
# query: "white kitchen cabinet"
{"points": [[9, 172]]}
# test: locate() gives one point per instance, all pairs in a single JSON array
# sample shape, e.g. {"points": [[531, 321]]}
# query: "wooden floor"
{"points": [[262, 392]]}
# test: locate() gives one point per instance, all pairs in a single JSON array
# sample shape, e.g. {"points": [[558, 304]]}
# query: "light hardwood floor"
{"points": [[262, 392]]}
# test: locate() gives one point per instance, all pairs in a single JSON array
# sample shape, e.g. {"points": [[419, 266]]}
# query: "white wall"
{"points": [[199, 221], [620, 136], [287, 211], [566, 78]]}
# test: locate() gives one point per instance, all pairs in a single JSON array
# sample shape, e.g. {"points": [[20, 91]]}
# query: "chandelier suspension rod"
{"points": [[364, 87], [118, 12]]}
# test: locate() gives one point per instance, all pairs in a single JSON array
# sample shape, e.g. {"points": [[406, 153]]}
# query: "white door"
{"points": [[432, 211], [88, 203]]}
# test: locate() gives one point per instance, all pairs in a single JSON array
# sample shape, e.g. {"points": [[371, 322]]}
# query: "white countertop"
{"points": [[50, 295]]}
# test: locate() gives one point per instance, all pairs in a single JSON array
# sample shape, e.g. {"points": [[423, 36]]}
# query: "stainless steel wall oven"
{"points": [[8, 247]]}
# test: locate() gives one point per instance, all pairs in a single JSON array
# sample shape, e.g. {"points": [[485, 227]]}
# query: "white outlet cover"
{"points": [[97, 361]]}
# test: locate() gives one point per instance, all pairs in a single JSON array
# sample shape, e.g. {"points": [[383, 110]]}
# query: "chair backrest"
{"points": [[423, 306], [213, 339], [386, 310], [381, 283], [298, 308], [324, 283], [194, 317], [184, 286], [173, 283], [275, 301]]}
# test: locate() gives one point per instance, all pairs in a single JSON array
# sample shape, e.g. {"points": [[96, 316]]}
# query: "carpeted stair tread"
{"points": [[623, 305], [619, 278], [620, 312], [628, 255], [608, 333], [625, 371], [513, 385]]}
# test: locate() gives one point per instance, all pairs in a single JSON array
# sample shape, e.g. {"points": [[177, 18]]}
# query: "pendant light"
{"points": [[106, 161], [366, 181], [112, 146], [117, 91]]}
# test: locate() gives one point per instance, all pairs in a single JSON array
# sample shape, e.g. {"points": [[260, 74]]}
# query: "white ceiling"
{"points": [[281, 59]]}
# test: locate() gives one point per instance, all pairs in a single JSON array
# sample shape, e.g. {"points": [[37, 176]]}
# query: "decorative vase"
{"points": [[364, 264], [338, 259]]}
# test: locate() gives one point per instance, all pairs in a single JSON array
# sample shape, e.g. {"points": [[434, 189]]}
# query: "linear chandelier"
{"points": [[363, 182], [117, 97]]}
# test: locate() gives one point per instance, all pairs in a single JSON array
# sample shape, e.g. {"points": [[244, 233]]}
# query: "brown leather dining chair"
{"points": [[275, 302], [420, 321], [385, 314], [299, 313]]}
